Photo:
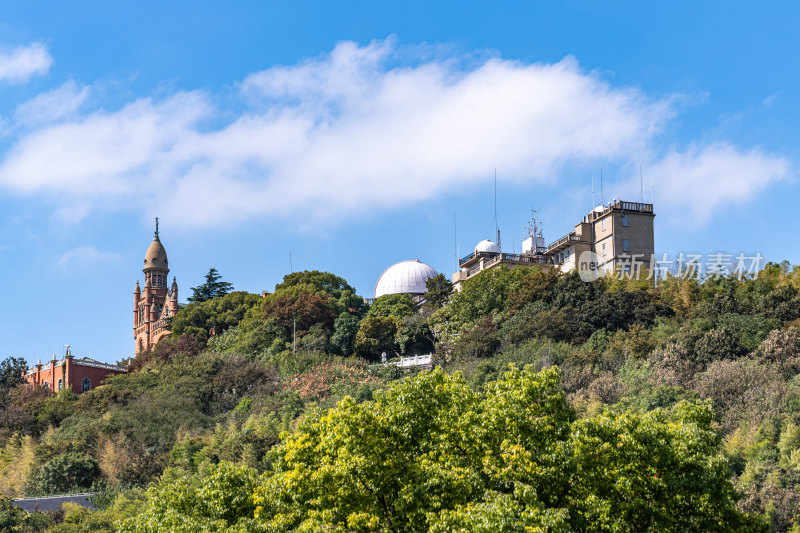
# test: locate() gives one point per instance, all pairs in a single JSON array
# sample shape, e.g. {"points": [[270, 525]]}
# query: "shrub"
{"points": [[782, 348], [742, 391], [66, 473], [477, 342], [717, 344]]}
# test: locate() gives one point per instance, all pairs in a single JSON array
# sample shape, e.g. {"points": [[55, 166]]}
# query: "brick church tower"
{"points": [[155, 304]]}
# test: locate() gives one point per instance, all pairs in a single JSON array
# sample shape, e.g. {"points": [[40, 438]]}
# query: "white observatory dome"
{"points": [[405, 277], [487, 246]]}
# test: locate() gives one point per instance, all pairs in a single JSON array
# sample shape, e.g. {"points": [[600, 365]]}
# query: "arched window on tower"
{"points": [[86, 384]]}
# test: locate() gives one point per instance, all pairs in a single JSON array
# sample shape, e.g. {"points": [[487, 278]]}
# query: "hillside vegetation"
{"points": [[557, 405]]}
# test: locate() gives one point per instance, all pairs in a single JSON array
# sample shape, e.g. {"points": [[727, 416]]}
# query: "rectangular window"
{"points": [[604, 249], [626, 245], [624, 220], [603, 224]]}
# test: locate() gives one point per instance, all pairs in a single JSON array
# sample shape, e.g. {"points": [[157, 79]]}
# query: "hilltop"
{"points": [[558, 404]]}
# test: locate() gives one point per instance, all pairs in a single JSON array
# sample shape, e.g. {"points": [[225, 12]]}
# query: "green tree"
{"points": [[719, 343], [342, 296], [212, 287], [68, 472], [414, 335], [299, 311], [431, 454], [480, 296], [214, 315], [479, 341], [11, 370], [220, 500], [439, 289], [345, 329], [376, 335], [394, 305], [660, 471]]}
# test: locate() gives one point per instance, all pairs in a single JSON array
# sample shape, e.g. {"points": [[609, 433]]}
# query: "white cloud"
{"points": [[694, 184], [18, 65], [347, 132], [52, 106], [83, 257]]}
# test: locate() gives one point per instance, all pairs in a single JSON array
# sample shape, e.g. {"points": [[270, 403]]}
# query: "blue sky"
{"points": [[349, 134]]}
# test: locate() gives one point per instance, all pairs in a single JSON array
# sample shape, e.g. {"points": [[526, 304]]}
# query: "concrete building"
{"points": [[79, 375], [619, 233], [487, 254], [155, 304]]}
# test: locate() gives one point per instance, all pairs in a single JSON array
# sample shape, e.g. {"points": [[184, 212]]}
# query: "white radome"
{"points": [[487, 246], [405, 277]]}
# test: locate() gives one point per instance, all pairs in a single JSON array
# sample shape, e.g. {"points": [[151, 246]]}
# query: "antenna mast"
{"points": [[593, 202], [651, 189], [455, 240], [496, 225], [641, 182], [602, 198]]}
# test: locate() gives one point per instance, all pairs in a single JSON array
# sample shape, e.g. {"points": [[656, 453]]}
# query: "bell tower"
{"points": [[156, 303]]}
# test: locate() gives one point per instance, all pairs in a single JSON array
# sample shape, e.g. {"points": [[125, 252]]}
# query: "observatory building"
{"points": [[617, 233], [405, 277]]}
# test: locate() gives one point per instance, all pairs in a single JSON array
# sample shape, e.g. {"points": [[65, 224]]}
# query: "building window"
{"points": [[603, 224], [60, 384], [86, 384], [604, 249], [626, 245], [624, 220], [45, 384]]}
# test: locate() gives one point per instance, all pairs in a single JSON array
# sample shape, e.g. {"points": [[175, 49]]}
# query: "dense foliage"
{"points": [[431, 454], [630, 407]]}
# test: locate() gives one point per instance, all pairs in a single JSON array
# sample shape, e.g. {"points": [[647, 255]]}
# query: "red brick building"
{"points": [[81, 375], [155, 304]]}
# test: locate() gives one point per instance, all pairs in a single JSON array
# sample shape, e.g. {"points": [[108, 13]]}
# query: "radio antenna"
{"points": [[602, 198], [641, 182], [455, 240], [496, 225], [651, 189]]}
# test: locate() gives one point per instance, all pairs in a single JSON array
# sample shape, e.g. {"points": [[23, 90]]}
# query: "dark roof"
{"points": [[54, 503]]}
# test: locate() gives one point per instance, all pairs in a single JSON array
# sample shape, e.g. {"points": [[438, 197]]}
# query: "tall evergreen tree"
{"points": [[439, 290], [212, 288]]}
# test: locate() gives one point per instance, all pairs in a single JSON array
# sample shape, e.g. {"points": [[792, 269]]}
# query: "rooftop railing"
{"points": [[570, 237], [493, 259], [633, 207], [78, 362], [477, 255]]}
